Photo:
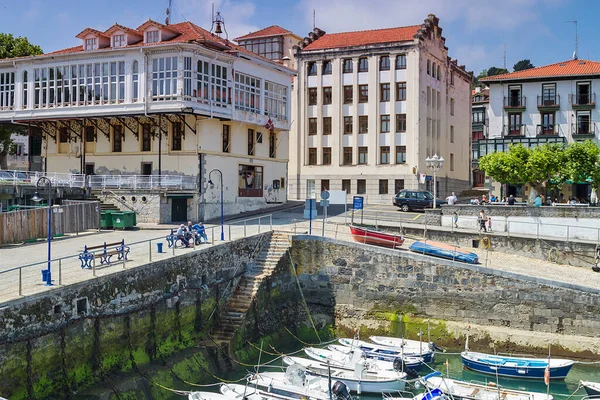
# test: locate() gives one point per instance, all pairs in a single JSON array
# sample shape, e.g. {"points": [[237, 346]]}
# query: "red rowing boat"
{"points": [[375, 237]]}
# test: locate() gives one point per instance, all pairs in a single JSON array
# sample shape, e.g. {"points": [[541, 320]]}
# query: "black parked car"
{"points": [[415, 200]]}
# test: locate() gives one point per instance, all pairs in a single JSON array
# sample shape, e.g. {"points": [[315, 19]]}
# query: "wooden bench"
{"points": [[106, 252]]}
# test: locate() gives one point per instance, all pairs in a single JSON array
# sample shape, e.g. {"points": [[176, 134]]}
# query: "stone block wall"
{"points": [[364, 279], [66, 339]]}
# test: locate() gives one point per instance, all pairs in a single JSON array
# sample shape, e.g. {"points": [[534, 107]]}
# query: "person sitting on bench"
{"points": [[182, 236], [201, 231]]}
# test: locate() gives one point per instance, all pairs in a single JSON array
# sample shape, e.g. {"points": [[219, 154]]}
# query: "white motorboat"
{"points": [[435, 394], [475, 391], [389, 353], [399, 342], [339, 352], [592, 388], [358, 379], [235, 391], [295, 382], [207, 396]]}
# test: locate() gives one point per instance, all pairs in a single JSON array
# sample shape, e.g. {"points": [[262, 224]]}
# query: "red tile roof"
{"points": [[273, 30], [561, 69], [87, 31], [187, 32], [117, 27], [361, 38]]}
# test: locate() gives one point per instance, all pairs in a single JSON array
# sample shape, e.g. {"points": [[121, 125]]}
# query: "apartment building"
{"points": [[273, 42], [371, 106], [547, 104], [480, 98], [141, 108]]}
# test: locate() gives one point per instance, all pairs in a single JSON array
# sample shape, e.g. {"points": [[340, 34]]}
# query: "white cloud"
{"points": [[237, 14]]}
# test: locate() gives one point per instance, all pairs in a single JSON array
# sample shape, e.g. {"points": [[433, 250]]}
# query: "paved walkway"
{"points": [[28, 280]]}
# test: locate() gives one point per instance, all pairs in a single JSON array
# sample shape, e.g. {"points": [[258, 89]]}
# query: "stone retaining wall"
{"points": [[521, 211], [365, 280]]}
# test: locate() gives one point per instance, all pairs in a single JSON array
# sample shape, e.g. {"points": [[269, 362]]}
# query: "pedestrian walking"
{"points": [[489, 223], [482, 221], [455, 219]]}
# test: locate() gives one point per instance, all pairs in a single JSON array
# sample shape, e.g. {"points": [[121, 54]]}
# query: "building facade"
{"points": [[480, 98], [159, 103], [273, 42], [548, 104], [371, 106]]}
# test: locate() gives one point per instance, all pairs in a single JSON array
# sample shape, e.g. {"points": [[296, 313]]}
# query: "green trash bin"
{"points": [[122, 220], [131, 216], [106, 219]]}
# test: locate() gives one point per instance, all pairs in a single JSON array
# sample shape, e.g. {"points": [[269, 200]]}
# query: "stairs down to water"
{"points": [[233, 314]]}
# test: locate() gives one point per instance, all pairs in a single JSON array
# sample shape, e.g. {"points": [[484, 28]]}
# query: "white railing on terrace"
{"points": [[142, 182], [10, 177]]}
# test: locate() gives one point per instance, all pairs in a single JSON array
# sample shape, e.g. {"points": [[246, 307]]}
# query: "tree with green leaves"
{"points": [[582, 163], [523, 65], [491, 71], [11, 47], [540, 167]]}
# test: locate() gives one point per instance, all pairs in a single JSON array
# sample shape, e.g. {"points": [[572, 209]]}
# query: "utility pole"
{"points": [[504, 57], [314, 18]]}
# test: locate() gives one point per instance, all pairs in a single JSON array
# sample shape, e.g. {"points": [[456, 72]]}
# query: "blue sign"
{"points": [[429, 178], [358, 202]]}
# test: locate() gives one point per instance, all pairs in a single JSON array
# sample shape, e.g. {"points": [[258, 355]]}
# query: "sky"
{"points": [[476, 31]]}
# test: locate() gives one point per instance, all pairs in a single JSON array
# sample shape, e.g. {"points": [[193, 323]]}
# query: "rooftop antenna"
{"points": [[575, 53], [168, 12], [314, 18], [504, 57]]}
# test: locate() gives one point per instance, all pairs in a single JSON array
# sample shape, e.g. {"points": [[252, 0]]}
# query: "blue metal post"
{"points": [[222, 212], [49, 276]]}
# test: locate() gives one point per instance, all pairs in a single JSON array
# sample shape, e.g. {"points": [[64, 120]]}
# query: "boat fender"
{"points": [[491, 383], [358, 389]]}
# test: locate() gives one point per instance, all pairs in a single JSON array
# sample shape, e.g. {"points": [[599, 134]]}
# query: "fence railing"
{"points": [[14, 177], [142, 182], [25, 280]]}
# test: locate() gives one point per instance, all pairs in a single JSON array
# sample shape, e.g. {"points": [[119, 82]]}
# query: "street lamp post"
{"points": [[434, 163], [212, 185], [43, 183]]}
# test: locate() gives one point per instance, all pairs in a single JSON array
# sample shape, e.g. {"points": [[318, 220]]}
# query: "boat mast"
{"points": [[467, 341]]}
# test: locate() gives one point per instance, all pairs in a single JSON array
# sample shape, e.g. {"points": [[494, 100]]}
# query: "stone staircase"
{"points": [[233, 314], [104, 206]]}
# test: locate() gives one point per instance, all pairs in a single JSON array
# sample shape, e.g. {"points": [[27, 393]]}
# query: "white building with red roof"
{"points": [[157, 108], [371, 106], [547, 104]]}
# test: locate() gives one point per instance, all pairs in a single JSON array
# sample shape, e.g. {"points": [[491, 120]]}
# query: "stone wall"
{"points": [[60, 341], [366, 281], [522, 211]]}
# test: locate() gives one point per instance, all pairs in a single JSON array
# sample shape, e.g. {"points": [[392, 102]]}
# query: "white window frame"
{"points": [[7, 90], [119, 40], [247, 92], [275, 100], [91, 44], [164, 78], [152, 36]]}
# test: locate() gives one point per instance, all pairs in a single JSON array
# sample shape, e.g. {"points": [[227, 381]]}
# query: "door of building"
{"points": [[146, 168], [178, 209], [89, 168]]}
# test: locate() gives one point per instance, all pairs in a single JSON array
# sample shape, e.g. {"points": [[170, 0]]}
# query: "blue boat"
{"points": [[516, 366], [443, 250], [389, 353]]}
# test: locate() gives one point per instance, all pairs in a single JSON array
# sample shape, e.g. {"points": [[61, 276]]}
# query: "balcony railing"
{"points": [[514, 130], [586, 130], [26, 178], [548, 102], [515, 102], [548, 130], [144, 182], [583, 101]]}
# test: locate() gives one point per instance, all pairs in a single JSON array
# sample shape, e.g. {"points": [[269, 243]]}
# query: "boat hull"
{"points": [[387, 353], [591, 388], [376, 238], [515, 371], [443, 250]]}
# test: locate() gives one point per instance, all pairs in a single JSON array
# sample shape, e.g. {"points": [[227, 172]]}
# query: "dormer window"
{"points": [[152, 36], [119, 41], [91, 44]]}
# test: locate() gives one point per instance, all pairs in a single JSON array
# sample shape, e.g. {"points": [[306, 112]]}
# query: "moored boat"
{"points": [[434, 394], [207, 396], [592, 388], [345, 355], [401, 342], [296, 383], [516, 366], [358, 379], [475, 391], [389, 353], [377, 238], [443, 250]]}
